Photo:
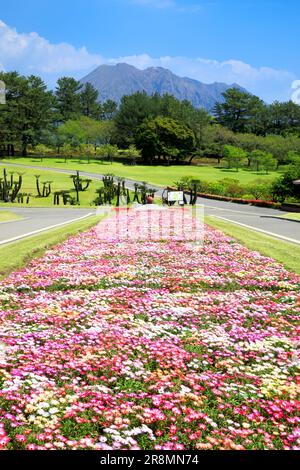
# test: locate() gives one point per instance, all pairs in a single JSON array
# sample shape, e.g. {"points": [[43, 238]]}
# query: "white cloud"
{"points": [[30, 53]]}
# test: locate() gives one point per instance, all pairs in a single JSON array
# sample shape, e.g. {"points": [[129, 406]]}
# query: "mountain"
{"points": [[115, 81]]}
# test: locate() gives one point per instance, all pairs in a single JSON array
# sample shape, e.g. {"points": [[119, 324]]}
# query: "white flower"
{"points": [[43, 404], [42, 413]]}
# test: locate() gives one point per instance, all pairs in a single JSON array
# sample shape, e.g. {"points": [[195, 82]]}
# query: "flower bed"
{"points": [[129, 345]]}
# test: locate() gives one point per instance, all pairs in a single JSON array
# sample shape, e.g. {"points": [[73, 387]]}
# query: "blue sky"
{"points": [[252, 42]]}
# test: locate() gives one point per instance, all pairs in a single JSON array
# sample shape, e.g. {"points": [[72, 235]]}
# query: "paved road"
{"points": [[36, 220], [261, 219]]}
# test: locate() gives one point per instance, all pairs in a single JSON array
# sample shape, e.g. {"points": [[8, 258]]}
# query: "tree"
{"points": [[133, 110], [89, 101], [132, 153], [88, 150], [53, 139], [166, 138], [67, 150], [199, 123], [107, 151], [260, 160], [268, 162], [293, 157], [249, 143], [108, 110], [278, 146], [234, 156], [73, 132], [105, 132], [86, 131], [284, 186], [27, 113], [68, 97], [43, 151], [241, 112], [213, 141], [260, 189], [284, 118]]}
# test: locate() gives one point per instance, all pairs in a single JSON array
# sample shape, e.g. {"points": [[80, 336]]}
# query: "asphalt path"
{"points": [[35, 220], [256, 218]]}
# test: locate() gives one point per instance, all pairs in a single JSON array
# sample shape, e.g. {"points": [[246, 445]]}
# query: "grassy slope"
{"points": [[160, 175], [6, 216], [60, 182], [16, 255], [292, 215], [285, 253]]}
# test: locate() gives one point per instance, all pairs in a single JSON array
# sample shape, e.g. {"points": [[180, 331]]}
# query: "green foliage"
{"points": [[260, 160], [214, 139], [244, 112], [268, 162], [284, 118], [42, 150], [164, 137], [293, 157], [132, 154], [234, 156], [27, 112], [108, 152], [139, 107], [260, 189], [228, 187], [71, 121], [89, 101], [68, 98], [240, 111], [134, 109], [72, 132], [84, 131], [284, 186], [108, 110]]}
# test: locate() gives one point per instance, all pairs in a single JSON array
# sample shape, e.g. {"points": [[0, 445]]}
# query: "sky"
{"points": [[254, 43]]}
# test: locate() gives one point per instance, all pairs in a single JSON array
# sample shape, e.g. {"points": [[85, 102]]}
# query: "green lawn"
{"points": [[16, 255], [7, 216], [160, 175], [292, 215], [285, 253], [60, 182]]}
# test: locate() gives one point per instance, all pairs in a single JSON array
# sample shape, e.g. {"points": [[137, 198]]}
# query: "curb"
{"points": [[279, 218]]}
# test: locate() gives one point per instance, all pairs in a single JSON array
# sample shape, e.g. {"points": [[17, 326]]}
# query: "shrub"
{"points": [[232, 187]]}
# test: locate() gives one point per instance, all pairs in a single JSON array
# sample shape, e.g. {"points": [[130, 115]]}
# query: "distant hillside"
{"points": [[115, 81]]}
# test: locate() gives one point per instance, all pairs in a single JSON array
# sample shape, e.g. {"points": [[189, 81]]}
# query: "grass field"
{"points": [[285, 253], [292, 215], [160, 175], [18, 254], [60, 182], [8, 216]]}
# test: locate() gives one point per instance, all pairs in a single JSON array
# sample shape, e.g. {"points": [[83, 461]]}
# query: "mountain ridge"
{"points": [[115, 81]]}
